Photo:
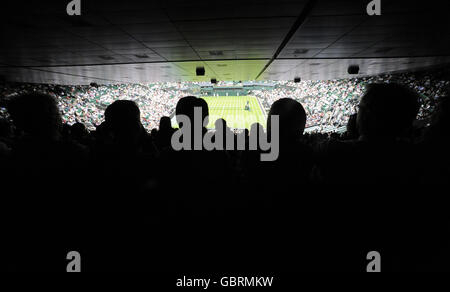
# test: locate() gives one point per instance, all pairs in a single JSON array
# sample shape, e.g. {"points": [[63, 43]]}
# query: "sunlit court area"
{"points": [[326, 147], [233, 110], [239, 112]]}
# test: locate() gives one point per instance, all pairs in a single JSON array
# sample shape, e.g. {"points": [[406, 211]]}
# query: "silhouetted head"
{"points": [[352, 129], [387, 110], [78, 130], [292, 118], [123, 119], [186, 106], [165, 124], [37, 114]]}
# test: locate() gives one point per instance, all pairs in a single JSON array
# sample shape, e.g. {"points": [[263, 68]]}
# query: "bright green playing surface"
{"points": [[231, 109]]}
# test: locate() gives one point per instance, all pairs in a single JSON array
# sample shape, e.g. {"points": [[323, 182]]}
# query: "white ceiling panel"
{"points": [[138, 41]]}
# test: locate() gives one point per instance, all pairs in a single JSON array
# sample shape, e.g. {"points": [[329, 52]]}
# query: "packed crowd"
{"points": [[86, 104], [155, 101], [328, 104]]}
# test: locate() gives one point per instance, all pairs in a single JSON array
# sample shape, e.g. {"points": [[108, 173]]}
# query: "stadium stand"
{"points": [[89, 108]]}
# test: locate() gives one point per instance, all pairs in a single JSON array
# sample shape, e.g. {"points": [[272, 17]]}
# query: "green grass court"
{"points": [[231, 109]]}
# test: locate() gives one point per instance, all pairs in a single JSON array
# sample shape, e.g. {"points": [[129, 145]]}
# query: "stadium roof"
{"points": [[147, 41]]}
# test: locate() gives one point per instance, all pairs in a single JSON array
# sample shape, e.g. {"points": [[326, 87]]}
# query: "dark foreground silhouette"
{"points": [[126, 200]]}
